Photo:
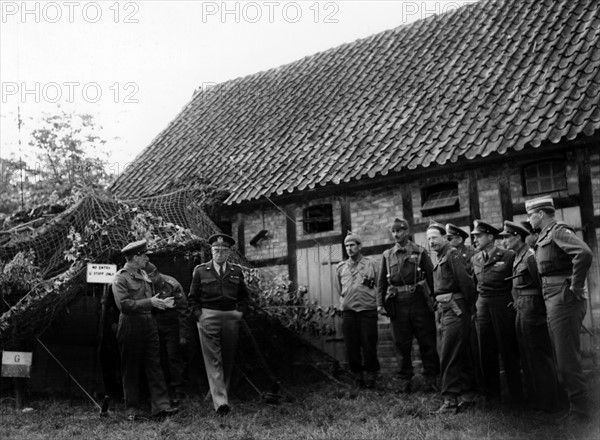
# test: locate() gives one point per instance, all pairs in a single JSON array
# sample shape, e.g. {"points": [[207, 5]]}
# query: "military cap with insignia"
{"points": [[481, 227], [221, 240], [538, 203], [399, 223], [512, 228], [527, 225], [136, 248], [455, 230], [438, 227], [352, 238]]}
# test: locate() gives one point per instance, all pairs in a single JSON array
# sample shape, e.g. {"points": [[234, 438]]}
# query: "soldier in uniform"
{"points": [[405, 283], [537, 359], [455, 294], [456, 236], [137, 333], [495, 314], [173, 330], [563, 261], [218, 298], [356, 283]]}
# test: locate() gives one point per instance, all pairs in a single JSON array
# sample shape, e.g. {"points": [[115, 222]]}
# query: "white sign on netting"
{"points": [[101, 273]]}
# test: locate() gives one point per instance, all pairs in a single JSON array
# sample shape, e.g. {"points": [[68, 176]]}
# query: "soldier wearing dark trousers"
{"points": [[356, 283], [137, 333], [406, 278], [173, 330], [563, 261], [457, 237], [495, 314], [454, 293], [537, 359], [218, 298]]}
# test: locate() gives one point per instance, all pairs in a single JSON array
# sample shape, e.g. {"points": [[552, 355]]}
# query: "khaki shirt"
{"points": [[349, 284]]}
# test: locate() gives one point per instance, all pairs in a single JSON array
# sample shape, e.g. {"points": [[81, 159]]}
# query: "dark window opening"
{"points": [[545, 177], [318, 218], [440, 199]]}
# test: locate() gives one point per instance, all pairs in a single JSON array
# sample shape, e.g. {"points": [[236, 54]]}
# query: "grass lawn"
{"points": [[318, 411]]}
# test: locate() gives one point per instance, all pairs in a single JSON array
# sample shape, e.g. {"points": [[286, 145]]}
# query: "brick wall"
{"points": [[275, 244]]}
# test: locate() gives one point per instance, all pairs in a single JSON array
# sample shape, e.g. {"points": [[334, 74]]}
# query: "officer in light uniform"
{"points": [[173, 329], [563, 261], [495, 314], [356, 283], [537, 359], [218, 297], [137, 333], [455, 294]]}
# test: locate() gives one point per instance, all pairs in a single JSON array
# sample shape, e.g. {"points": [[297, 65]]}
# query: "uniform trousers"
{"points": [[414, 319], [565, 316], [171, 354], [497, 337], [455, 344], [360, 333], [219, 331], [537, 358], [137, 336]]}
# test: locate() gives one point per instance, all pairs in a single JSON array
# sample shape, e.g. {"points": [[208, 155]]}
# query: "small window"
{"points": [[440, 199], [318, 218], [545, 177]]}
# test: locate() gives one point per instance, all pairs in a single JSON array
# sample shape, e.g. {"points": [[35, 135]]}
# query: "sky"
{"points": [[135, 65]]}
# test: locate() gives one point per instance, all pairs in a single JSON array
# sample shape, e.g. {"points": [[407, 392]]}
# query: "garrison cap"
{"points": [[512, 228], [135, 248], [455, 230], [399, 223], [149, 268], [351, 237], [482, 227], [544, 202], [221, 240], [438, 227]]}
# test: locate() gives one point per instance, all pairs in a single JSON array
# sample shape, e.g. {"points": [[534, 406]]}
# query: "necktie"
{"points": [[221, 271], [485, 256]]}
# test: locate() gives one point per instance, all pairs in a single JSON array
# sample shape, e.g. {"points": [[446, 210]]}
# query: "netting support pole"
{"points": [[19, 385]]}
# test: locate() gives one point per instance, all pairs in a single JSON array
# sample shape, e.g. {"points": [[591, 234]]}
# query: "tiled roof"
{"points": [[489, 77]]}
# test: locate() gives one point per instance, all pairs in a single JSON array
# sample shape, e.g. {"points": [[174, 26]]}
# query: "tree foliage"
{"points": [[64, 157]]}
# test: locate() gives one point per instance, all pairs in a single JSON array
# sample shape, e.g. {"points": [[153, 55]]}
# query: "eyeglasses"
{"points": [[529, 214]]}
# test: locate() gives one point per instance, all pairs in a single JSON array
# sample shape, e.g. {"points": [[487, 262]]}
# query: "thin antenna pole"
{"points": [[19, 123]]}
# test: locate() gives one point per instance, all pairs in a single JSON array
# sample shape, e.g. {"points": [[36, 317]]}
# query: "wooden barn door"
{"points": [[316, 271]]}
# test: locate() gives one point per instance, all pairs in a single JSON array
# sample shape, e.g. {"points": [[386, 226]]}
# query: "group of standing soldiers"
{"points": [[521, 304]]}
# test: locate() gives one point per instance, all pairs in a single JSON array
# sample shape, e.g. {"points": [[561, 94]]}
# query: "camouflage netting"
{"points": [[51, 260], [92, 230]]}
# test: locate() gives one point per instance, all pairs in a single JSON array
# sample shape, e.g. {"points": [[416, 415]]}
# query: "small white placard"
{"points": [[101, 273], [16, 363]]}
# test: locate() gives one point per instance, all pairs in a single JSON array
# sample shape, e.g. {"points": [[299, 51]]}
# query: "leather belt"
{"points": [[405, 288], [555, 278], [445, 297], [529, 292]]}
